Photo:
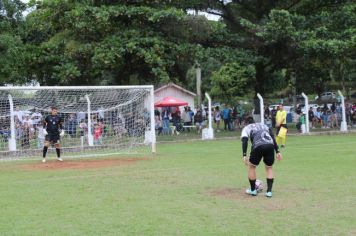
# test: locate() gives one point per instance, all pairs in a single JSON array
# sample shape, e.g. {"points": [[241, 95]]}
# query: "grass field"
{"points": [[188, 188]]}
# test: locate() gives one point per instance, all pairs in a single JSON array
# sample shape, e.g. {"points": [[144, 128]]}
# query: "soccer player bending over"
{"points": [[53, 130], [263, 146]]}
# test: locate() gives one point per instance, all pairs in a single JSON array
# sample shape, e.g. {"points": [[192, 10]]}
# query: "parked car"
{"points": [[327, 96]]}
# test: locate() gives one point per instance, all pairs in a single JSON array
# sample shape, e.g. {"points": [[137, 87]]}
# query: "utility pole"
{"points": [[294, 89], [198, 77]]}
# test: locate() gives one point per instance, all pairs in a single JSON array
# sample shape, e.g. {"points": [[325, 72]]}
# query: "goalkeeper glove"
{"points": [[45, 132], [62, 133]]}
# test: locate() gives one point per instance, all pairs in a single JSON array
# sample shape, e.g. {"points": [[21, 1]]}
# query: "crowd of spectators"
{"points": [[29, 126], [324, 117], [233, 118]]}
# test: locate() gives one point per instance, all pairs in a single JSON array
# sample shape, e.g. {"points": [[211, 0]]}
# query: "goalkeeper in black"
{"points": [[263, 146], [53, 130]]}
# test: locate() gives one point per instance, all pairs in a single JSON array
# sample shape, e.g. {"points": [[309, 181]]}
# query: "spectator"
{"points": [[198, 119], [71, 125], [317, 117], [176, 117], [19, 114], [186, 117], [119, 126], [325, 116], [311, 118], [333, 107], [226, 117], [158, 124], [333, 121], [36, 118], [191, 113], [98, 131], [353, 118], [217, 118], [4, 129], [27, 122], [165, 120], [25, 135], [234, 118], [83, 129], [298, 122], [241, 113]]}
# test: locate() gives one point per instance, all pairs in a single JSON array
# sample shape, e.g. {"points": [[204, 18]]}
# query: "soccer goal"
{"points": [[97, 121]]}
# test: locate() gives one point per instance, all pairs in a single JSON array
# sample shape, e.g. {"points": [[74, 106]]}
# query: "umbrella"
{"points": [[170, 102]]}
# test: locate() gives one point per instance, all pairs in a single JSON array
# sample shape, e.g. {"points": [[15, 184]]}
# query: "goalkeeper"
{"points": [[263, 146], [53, 130]]}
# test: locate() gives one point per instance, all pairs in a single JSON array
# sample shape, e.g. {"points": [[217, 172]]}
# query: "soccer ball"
{"points": [[259, 185]]}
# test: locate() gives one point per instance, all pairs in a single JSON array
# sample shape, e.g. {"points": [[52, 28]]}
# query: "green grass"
{"points": [[188, 188]]}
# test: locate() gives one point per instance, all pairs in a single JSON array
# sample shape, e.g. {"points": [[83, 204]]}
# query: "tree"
{"points": [[105, 42], [285, 35], [12, 50], [232, 81]]}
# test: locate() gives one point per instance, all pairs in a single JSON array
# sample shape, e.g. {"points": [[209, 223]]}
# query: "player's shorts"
{"points": [[278, 128], [266, 152], [52, 138]]}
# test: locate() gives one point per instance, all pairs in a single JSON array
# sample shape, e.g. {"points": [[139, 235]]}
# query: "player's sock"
{"points": [[58, 152], [45, 151], [252, 184], [269, 184]]}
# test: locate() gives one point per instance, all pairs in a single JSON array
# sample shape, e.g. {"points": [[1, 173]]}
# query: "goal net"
{"points": [[96, 120]]}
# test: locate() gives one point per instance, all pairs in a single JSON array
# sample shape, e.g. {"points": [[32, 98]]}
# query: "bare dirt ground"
{"points": [[81, 164], [238, 194]]}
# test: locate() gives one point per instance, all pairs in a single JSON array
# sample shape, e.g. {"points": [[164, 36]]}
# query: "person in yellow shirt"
{"points": [[281, 121]]}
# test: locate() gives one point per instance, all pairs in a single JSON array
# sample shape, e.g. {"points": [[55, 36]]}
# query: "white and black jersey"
{"points": [[258, 133], [263, 143]]}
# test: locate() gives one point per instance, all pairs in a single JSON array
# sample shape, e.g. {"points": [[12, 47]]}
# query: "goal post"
{"points": [[97, 120]]}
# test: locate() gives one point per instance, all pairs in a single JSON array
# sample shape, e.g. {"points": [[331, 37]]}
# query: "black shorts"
{"points": [[266, 151], [52, 138]]}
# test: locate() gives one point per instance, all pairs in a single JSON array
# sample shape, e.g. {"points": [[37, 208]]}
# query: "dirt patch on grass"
{"points": [[254, 202], [82, 164], [230, 193]]}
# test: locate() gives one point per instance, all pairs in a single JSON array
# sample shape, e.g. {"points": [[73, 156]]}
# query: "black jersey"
{"points": [[258, 133], [54, 124]]}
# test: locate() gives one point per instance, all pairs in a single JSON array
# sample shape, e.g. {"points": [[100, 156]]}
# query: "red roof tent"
{"points": [[170, 102]]}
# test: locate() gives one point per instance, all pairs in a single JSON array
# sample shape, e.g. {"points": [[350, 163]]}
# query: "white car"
{"points": [[327, 96]]}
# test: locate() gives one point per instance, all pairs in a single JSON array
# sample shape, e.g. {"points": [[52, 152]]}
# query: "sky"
{"points": [[209, 16]]}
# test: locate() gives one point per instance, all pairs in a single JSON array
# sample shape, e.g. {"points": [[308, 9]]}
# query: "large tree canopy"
{"points": [[256, 46], [12, 51], [308, 38]]}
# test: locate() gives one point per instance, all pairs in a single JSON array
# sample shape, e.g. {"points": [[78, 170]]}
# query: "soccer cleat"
{"points": [[59, 159], [269, 194], [44, 160], [252, 193]]}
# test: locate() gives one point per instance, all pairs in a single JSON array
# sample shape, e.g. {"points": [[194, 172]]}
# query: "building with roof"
{"points": [[176, 91]]}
